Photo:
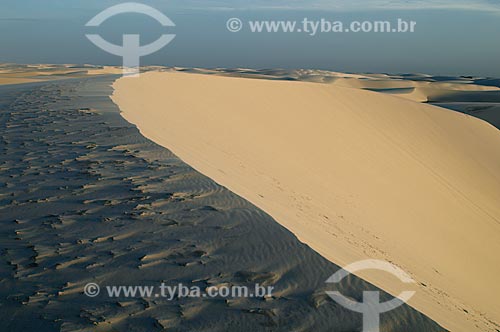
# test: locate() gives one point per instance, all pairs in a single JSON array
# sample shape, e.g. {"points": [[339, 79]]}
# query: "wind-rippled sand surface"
{"points": [[85, 198]]}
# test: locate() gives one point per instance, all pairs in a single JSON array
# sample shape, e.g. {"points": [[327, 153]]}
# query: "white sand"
{"points": [[420, 91], [354, 174], [20, 74], [16, 80]]}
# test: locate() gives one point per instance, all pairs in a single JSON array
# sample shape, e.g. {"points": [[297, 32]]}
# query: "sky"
{"points": [[451, 37]]}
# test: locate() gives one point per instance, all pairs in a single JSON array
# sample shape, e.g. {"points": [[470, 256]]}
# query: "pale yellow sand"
{"points": [[106, 70], [354, 174], [419, 91], [16, 80], [20, 74]]}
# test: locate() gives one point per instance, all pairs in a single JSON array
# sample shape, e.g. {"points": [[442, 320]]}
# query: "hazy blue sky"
{"points": [[452, 37]]}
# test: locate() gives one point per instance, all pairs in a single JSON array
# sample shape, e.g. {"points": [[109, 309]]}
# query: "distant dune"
{"points": [[19, 74], [353, 173], [425, 91]]}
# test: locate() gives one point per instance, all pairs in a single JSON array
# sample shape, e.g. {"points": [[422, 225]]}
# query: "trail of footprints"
{"points": [[84, 198]]}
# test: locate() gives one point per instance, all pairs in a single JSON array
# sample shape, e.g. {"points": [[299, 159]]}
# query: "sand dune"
{"points": [[16, 80], [424, 91], [20, 74], [416, 87], [85, 198], [353, 173]]}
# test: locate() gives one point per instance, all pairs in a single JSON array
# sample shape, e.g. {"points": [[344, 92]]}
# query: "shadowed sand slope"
{"points": [[353, 173]]}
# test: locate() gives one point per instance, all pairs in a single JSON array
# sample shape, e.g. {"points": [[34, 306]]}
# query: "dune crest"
{"points": [[354, 174]]}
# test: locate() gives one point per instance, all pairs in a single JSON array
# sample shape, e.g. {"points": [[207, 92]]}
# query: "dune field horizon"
{"points": [[339, 160]]}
